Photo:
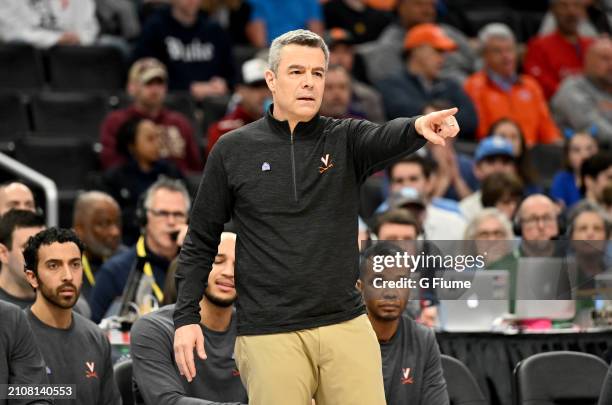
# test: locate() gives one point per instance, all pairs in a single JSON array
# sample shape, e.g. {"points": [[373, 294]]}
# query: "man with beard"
{"points": [[152, 337], [97, 222], [54, 269], [411, 365]]}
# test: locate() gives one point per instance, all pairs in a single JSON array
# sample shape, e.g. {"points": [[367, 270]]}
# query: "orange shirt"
{"points": [[523, 103]]}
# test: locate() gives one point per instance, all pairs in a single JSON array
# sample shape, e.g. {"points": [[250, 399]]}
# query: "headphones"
{"points": [[517, 223]]}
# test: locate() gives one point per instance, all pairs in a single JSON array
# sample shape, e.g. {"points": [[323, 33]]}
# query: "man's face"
{"points": [[385, 304], [494, 164], [391, 231], [221, 290], [408, 175], [538, 217], [12, 256], [100, 229], [343, 55], [151, 94], [568, 14], [297, 87], [500, 56], [589, 233], [429, 59], [598, 61], [60, 274], [252, 99], [337, 96], [413, 12], [166, 213], [491, 237], [16, 196], [603, 180]]}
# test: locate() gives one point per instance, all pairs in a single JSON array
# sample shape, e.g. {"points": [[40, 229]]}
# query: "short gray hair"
{"points": [[167, 183], [296, 37], [495, 30], [470, 230]]}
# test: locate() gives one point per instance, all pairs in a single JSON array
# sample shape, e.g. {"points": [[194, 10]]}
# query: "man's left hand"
{"points": [[438, 125]]}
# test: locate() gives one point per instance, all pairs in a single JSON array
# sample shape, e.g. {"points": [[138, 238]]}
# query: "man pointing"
{"points": [[290, 182]]}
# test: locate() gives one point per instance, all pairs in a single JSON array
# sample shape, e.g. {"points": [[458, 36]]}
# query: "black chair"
{"points": [[123, 378], [460, 383], [86, 68], [13, 114], [183, 103], [69, 113], [20, 68], [553, 378], [213, 109], [605, 397]]}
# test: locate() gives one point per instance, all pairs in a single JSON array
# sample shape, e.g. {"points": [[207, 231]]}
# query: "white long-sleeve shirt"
{"points": [[41, 23]]}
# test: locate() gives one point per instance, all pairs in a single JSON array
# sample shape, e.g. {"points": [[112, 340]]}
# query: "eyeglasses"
{"points": [[534, 220], [178, 215]]}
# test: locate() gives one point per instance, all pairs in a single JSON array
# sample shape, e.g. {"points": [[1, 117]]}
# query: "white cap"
{"points": [[253, 71]]}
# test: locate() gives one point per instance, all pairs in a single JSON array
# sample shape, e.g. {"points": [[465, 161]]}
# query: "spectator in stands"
{"points": [[585, 101], [53, 268], [196, 51], [410, 180], [16, 227], [253, 94], [503, 191], [118, 18], [412, 92], [596, 173], [233, 16], [384, 56], [553, 57], [492, 232], [364, 97], [510, 130], [147, 86], [336, 101], [272, 18], [410, 355], [566, 183], [44, 24], [16, 195], [138, 139], [499, 92], [163, 218], [493, 155], [397, 224], [594, 19], [96, 220], [356, 16], [20, 360], [152, 337]]}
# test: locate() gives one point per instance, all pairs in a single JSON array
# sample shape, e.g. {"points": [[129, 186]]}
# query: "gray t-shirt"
{"points": [[20, 359], [412, 368], [78, 355], [157, 377]]}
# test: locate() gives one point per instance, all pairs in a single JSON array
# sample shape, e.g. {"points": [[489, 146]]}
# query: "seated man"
{"points": [[20, 359], [412, 368], [217, 379], [16, 227], [164, 215], [336, 101], [97, 222], [14, 194], [53, 268]]}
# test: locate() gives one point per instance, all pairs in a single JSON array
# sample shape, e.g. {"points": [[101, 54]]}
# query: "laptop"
{"points": [[544, 289], [474, 309]]}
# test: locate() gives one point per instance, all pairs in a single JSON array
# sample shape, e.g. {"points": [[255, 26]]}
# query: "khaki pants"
{"points": [[336, 365]]}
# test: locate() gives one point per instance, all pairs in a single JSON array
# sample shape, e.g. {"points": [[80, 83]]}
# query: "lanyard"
{"points": [[141, 252], [87, 270]]}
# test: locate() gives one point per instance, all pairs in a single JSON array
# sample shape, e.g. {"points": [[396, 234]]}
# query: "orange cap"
{"points": [[428, 34]]}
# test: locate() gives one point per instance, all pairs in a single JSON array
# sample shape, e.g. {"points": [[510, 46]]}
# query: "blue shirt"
{"points": [[281, 16], [564, 188]]}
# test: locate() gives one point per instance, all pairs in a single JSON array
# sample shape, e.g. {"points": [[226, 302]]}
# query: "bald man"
{"points": [[97, 222], [585, 101], [16, 195]]}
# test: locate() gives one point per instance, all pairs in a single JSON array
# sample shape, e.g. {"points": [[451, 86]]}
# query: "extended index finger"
{"points": [[440, 115]]}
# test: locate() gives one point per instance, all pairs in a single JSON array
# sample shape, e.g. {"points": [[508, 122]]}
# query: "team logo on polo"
{"points": [[406, 377], [327, 164], [90, 372]]}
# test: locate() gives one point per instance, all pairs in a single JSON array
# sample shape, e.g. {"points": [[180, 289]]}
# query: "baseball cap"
{"points": [[146, 69], [253, 72], [337, 36], [428, 34], [406, 196], [493, 146]]}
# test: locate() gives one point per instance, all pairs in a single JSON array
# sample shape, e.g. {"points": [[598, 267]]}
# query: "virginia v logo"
{"points": [[406, 378], [90, 373], [327, 164]]}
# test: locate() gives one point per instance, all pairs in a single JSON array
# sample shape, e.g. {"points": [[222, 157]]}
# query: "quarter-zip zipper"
{"points": [[293, 170]]}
